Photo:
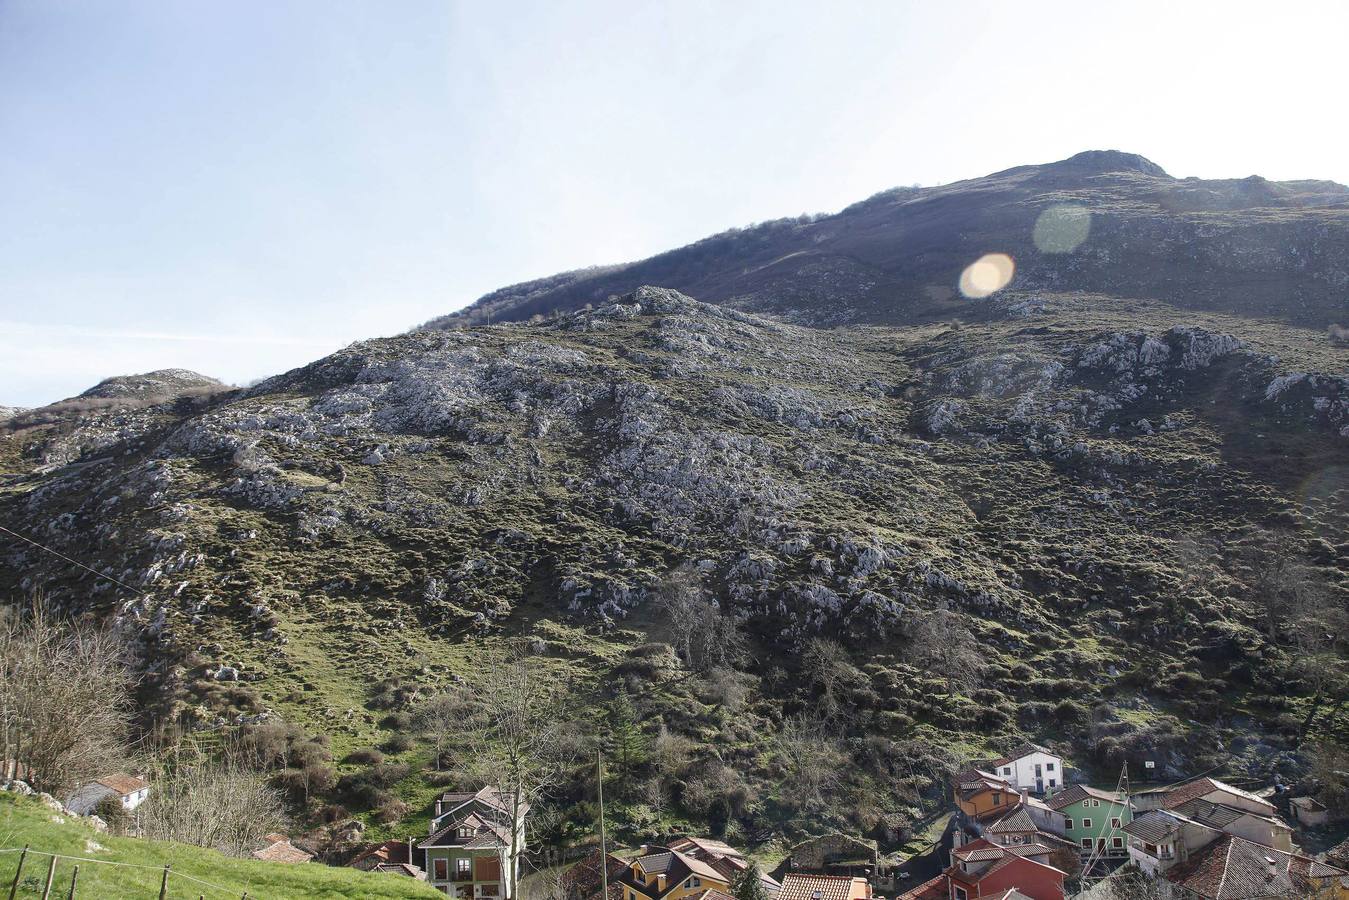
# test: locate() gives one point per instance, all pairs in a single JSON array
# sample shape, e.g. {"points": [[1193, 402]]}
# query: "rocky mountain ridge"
{"points": [[1103, 222]]}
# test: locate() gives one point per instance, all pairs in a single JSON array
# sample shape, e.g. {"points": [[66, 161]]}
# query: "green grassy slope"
{"points": [[196, 872]]}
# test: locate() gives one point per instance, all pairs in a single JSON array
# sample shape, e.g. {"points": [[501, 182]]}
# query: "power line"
{"points": [[74, 562]]}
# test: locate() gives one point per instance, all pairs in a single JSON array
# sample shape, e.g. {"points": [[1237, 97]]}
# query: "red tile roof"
{"points": [[934, 889], [279, 849], [823, 887], [1201, 786], [1233, 868], [1077, 792], [122, 783]]}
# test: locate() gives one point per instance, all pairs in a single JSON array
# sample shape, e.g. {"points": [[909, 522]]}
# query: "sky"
{"points": [[240, 188]]}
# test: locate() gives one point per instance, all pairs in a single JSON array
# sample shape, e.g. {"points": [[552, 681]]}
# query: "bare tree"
{"points": [[705, 636], [65, 692], [811, 755], [223, 804], [518, 740], [940, 642], [441, 718], [824, 663]]}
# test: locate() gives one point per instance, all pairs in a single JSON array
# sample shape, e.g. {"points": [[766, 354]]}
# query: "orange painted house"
{"points": [[979, 794]]}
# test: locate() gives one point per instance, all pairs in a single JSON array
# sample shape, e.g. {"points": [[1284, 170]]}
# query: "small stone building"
{"points": [[834, 854]]}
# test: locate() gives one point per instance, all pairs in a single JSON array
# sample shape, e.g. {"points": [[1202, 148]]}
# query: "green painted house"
{"points": [[1093, 819], [468, 849]]}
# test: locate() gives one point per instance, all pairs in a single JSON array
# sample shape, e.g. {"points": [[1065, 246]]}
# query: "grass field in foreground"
{"points": [[131, 868]]}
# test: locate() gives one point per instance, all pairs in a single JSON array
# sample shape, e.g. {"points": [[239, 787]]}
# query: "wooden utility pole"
{"points": [[14, 885], [604, 852]]}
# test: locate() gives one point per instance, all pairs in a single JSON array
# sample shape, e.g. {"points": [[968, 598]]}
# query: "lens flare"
{"points": [[1062, 228], [987, 274]]}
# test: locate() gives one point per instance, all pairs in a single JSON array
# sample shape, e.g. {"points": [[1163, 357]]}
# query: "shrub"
{"points": [[397, 721], [367, 757], [390, 811], [398, 743]]}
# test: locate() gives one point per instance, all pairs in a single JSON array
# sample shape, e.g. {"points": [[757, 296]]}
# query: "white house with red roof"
{"points": [[1032, 768]]}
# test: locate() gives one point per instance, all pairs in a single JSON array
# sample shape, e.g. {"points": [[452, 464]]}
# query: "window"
{"points": [[1049, 767], [1114, 822], [693, 882], [997, 799], [465, 831], [1051, 782], [961, 894], [1007, 770], [463, 869], [1117, 843], [1067, 824], [440, 869], [1086, 843], [1086, 823]]}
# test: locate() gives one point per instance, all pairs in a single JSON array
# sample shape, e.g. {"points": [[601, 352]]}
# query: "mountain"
{"points": [[1107, 522], [1103, 222]]}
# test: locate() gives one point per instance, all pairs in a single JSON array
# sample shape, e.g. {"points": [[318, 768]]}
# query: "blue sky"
{"points": [[241, 187]]}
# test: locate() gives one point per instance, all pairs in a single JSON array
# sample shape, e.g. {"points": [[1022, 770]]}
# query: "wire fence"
{"points": [[50, 882]]}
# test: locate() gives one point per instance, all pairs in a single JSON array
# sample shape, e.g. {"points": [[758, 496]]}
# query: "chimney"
{"points": [[1273, 871], [1025, 796], [660, 883]]}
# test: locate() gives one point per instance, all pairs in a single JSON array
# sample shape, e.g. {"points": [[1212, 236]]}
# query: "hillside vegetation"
{"points": [[791, 576]]}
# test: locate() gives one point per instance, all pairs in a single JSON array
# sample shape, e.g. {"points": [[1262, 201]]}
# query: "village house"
{"points": [[1232, 868], [1032, 768], [982, 869], [1020, 828], [278, 848], [824, 887], [721, 856], [1308, 811], [1265, 830], [1093, 819], [835, 854], [661, 873], [128, 790], [394, 857], [983, 795], [469, 845], [1159, 839], [1215, 791]]}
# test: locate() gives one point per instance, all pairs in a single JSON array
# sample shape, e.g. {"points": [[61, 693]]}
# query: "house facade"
{"points": [[470, 845], [992, 872], [1159, 839], [661, 873], [1094, 820], [982, 795], [129, 790], [1031, 767]]}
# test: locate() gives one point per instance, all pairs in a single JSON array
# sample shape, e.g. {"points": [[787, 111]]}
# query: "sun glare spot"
{"points": [[990, 272], [1062, 228]]}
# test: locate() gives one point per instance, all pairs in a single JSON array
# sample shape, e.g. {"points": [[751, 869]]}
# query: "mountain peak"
{"points": [[1102, 161], [159, 383]]}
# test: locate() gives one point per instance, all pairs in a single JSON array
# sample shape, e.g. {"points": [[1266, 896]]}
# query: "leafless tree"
{"points": [[939, 642], [705, 636], [65, 692], [518, 740], [811, 755], [441, 718], [222, 804], [825, 665]]}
